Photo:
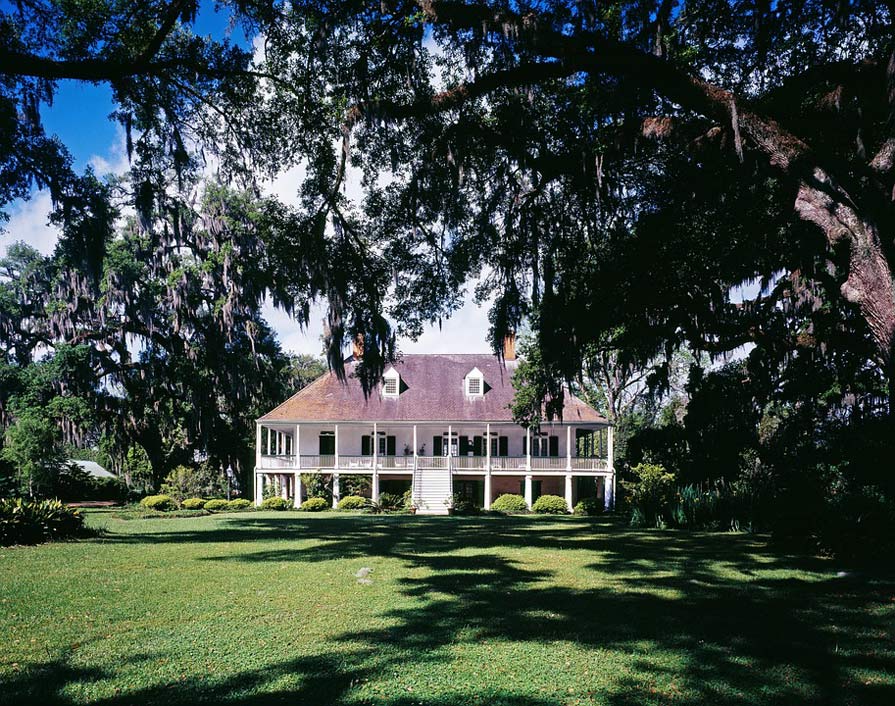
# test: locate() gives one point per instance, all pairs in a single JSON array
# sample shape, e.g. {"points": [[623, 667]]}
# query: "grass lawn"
{"points": [[264, 608]]}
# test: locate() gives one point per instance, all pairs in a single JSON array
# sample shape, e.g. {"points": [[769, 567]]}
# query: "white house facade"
{"points": [[439, 425]]}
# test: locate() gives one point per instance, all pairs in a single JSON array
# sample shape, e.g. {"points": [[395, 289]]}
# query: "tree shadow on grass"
{"points": [[693, 618]]}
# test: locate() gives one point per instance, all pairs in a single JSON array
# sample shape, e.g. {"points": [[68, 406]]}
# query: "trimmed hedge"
{"points": [[315, 505], [352, 502], [550, 505], [216, 505], [193, 504], [239, 504], [589, 506], [509, 503], [33, 521], [160, 503], [275, 503]]}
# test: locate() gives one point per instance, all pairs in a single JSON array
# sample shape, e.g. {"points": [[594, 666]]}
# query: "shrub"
{"points": [[651, 495], [390, 502], [589, 506], [193, 504], [275, 504], [33, 521], [216, 505], [239, 504], [160, 503], [509, 503], [461, 505], [352, 502], [550, 505], [315, 505]]}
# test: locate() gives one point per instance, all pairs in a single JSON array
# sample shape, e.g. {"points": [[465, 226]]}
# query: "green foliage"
{"points": [[315, 505], [275, 504], [317, 485], [650, 495], [160, 503], [33, 448], [353, 484], [32, 521], [217, 505], [509, 503], [137, 468], [588, 506], [193, 504], [191, 481], [239, 504], [352, 502], [462, 505], [390, 502], [550, 505]]}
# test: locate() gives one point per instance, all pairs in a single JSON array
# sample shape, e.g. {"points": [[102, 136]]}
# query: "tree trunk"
{"points": [[869, 283]]}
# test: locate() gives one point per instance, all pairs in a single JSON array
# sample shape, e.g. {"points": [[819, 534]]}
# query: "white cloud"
{"points": [[29, 222]]}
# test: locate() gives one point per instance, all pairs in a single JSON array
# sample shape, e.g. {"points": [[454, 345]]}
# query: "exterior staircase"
{"points": [[432, 490]]}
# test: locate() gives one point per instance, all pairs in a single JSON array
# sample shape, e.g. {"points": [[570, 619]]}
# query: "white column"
{"points": [[414, 446], [528, 492], [568, 448], [259, 489], [297, 446], [269, 441], [374, 488], [569, 492], [284, 486], [296, 500], [487, 466], [528, 450], [336, 435], [258, 442], [336, 495], [609, 493], [450, 441]]}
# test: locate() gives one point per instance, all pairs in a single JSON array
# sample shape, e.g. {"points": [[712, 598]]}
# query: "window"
{"points": [[474, 383], [391, 384]]}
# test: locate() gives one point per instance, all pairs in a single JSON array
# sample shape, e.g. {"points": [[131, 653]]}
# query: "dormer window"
{"points": [[474, 383], [391, 384]]}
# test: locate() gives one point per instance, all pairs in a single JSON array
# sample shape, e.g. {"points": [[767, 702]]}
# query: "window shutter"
{"points": [[524, 445], [436, 446], [464, 446], [503, 446], [327, 445], [554, 446], [389, 446], [366, 446], [477, 446]]}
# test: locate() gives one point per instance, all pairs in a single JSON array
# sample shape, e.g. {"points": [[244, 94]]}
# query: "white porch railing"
{"points": [[318, 461], [589, 464], [556, 464], [548, 463], [468, 463], [508, 463], [432, 461], [277, 461]]}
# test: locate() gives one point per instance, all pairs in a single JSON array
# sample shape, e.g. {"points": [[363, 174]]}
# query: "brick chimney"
{"points": [[509, 346], [357, 347]]}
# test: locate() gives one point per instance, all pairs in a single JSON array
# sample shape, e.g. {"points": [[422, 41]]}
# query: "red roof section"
{"points": [[432, 389]]}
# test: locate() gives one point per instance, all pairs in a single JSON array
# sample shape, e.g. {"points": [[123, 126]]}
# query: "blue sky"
{"points": [[79, 115]]}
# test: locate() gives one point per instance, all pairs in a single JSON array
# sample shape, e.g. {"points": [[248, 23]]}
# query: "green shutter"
{"points": [[436, 446], [366, 448], [503, 446], [554, 446], [477, 449], [389, 446], [464, 446]]}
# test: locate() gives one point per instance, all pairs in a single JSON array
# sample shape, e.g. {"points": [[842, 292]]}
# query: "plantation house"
{"points": [[439, 425]]}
